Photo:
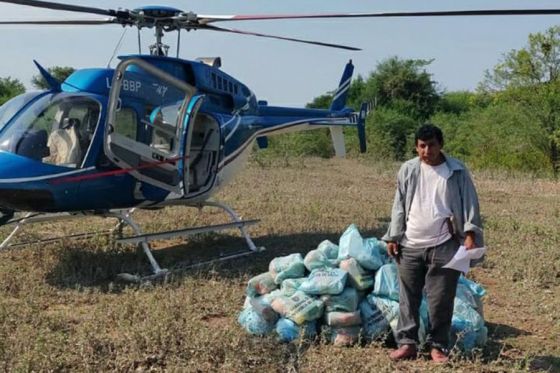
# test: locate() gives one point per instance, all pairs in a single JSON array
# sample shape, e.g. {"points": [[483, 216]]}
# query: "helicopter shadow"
{"points": [[80, 267]]}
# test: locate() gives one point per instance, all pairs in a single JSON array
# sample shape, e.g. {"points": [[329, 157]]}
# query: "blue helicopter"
{"points": [[155, 131]]}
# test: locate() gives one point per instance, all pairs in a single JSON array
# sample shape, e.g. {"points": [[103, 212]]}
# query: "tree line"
{"points": [[511, 121]]}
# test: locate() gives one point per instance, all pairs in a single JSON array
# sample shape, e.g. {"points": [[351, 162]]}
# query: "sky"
{"points": [[281, 72]]}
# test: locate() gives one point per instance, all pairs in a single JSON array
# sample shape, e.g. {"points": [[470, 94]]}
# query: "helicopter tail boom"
{"points": [[335, 118]]}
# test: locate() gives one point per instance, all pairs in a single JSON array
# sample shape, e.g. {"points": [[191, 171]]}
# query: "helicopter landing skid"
{"points": [[124, 218]]}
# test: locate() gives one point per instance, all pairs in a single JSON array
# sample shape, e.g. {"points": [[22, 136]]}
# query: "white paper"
{"points": [[462, 260]]}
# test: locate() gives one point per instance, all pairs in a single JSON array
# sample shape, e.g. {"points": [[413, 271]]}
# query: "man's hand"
{"points": [[469, 240], [393, 250]]}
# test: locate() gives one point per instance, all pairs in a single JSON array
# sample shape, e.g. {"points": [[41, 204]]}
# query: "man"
{"points": [[434, 212]]}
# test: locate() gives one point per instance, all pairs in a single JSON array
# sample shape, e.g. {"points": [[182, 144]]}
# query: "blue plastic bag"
{"points": [[290, 266], [377, 254], [366, 252], [347, 301], [472, 293], [468, 326], [299, 307], [261, 284], [374, 323], [379, 249], [476, 289], [325, 281], [257, 317], [387, 282], [358, 277], [329, 249], [291, 285], [289, 331], [318, 259]]}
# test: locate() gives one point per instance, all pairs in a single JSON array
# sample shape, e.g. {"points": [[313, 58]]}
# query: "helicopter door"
{"points": [[149, 111]]}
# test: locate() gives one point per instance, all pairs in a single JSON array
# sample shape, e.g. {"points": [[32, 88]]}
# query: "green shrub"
{"points": [[500, 136]]}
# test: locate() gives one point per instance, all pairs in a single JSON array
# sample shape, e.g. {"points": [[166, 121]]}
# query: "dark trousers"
{"points": [[422, 269]]}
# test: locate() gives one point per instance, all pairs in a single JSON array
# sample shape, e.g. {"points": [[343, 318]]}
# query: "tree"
{"points": [[390, 133], [9, 88], [356, 94], [404, 85], [458, 102], [496, 137], [321, 102], [530, 77], [404, 96], [60, 73]]}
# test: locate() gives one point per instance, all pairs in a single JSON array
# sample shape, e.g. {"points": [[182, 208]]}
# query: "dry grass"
{"points": [[60, 308]]}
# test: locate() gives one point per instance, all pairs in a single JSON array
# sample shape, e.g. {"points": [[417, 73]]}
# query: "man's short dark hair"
{"points": [[428, 132]]}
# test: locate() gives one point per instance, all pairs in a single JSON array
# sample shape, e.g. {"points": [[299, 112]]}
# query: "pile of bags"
{"points": [[346, 291]]}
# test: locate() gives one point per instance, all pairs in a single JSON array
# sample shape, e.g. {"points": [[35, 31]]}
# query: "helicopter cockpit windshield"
{"points": [[56, 129], [12, 106]]}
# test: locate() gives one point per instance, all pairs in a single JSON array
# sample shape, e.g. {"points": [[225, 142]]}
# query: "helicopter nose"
{"points": [[23, 183], [14, 168]]}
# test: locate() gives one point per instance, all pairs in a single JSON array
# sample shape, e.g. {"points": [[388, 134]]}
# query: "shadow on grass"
{"points": [[496, 348], [546, 363], [98, 268]]}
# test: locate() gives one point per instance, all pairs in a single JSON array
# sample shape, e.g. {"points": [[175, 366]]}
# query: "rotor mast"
{"points": [[159, 48]]}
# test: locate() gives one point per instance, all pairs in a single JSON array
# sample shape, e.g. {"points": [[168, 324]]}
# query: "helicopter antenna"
{"points": [[119, 43], [178, 41]]}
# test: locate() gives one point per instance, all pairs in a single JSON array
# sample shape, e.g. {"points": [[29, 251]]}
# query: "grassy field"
{"points": [[62, 309]]}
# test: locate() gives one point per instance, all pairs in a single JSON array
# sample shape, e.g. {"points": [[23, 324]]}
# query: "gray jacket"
{"points": [[464, 201]]}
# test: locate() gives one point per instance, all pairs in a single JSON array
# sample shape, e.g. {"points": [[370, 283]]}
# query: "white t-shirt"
{"points": [[427, 220]]}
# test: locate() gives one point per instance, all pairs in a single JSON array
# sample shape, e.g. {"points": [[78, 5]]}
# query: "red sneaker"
{"points": [[439, 356], [405, 352]]}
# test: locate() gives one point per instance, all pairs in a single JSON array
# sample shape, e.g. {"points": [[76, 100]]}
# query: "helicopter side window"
{"points": [[164, 127], [127, 123], [214, 81], [55, 129]]}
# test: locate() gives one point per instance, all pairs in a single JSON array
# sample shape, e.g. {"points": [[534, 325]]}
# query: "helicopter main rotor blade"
{"points": [[215, 28], [206, 19], [68, 7], [63, 22]]}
